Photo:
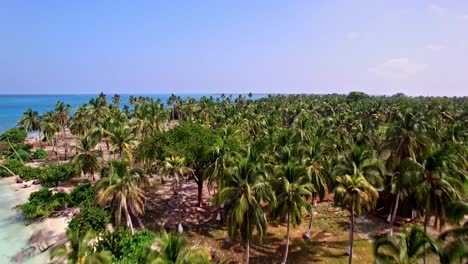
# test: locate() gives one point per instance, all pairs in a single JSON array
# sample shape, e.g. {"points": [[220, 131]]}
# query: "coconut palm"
{"points": [[291, 185], [242, 196], [354, 193], [406, 248], [62, 117], [313, 160], [122, 190], [79, 250], [122, 139], [49, 128], [87, 158], [454, 245], [172, 249], [175, 167], [31, 121]]}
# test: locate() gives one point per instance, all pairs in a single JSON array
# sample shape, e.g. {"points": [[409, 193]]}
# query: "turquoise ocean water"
{"points": [[12, 106]]}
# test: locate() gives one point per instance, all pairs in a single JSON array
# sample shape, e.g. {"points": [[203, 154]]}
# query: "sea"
{"points": [[13, 106], [14, 233]]}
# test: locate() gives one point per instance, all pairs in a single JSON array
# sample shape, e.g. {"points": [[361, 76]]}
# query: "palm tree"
{"points": [[406, 248], [291, 186], [31, 121], [122, 190], [49, 128], [122, 138], [62, 117], [442, 182], [172, 249], [353, 193], [175, 167], [455, 245], [405, 138], [87, 157], [242, 196], [79, 250], [316, 173]]}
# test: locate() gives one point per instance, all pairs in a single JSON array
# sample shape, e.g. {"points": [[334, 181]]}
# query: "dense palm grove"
{"points": [[270, 159]]}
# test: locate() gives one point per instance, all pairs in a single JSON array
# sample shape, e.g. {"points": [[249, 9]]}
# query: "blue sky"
{"points": [[212, 46]]}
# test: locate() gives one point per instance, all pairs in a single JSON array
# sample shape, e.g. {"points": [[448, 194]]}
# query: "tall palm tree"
{"points": [[122, 139], [454, 245], [79, 250], [87, 157], [31, 121], [442, 182], [353, 193], [315, 170], [291, 185], [175, 167], [406, 248], [242, 196], [405, 138], [49, 128], [122, 189], [172, 249], [62, 117]]}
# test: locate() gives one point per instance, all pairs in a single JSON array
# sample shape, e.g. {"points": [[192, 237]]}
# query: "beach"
{"points": [[14, 230]]}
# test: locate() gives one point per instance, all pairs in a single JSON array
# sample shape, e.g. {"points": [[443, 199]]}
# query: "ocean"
{"points": [[13, 106]]}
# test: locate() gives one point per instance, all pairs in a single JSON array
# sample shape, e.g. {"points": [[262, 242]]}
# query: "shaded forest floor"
{"points": [[329, 236]]}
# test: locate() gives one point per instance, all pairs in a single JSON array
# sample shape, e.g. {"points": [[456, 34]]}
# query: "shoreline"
{"points": [[52, 229]]}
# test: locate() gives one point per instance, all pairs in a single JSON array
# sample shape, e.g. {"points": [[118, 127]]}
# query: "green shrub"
{"points": [[42, 203], [90, 218], [53, 174], [12, 164], [83, 195], [23, 154], [39, 154], [30, 173], [126, 248], [14, 135]]}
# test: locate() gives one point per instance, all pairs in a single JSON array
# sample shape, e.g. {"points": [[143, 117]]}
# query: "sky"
{"points": [[239, 46]]}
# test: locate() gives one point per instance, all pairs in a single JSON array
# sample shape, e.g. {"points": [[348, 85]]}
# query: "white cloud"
{"points": [[353, 35], [434, 47], [437, 10], [400, 68]]}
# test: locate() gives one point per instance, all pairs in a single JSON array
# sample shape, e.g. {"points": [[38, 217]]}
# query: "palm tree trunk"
{"points": [[426, 220], [200, 193], [307, 234], [351, 235], [287, 243], [247, 251], [395, 209], [129, 222], [40, 139], [65, 142]]}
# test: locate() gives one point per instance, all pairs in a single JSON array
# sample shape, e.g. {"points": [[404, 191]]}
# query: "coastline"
{"points": [[53, 228]]}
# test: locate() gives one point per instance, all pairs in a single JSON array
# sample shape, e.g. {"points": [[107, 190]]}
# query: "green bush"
{"points": [[39, 204], [90, 218], [126, 248], [23, 154], [53, 174], [14, 135], [83, 195], [29, 173], [12, 164], [39, 154]]}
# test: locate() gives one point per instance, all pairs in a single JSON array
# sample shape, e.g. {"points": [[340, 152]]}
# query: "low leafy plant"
{"points": [[13, 164], [23, 154], [125, 247], [39, 154], [83, 195], [90, 218]]}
